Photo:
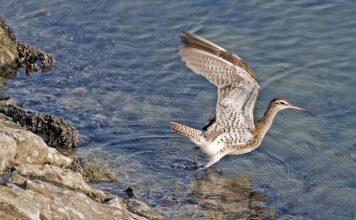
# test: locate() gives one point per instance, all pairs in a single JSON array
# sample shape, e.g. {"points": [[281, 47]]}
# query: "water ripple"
{"points": [[119, 79]]}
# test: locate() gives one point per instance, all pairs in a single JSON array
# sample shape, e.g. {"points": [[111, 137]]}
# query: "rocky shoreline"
{"points": [[36, 181]]}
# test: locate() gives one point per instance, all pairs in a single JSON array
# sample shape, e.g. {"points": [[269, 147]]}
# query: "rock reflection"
{"points": [[222, 197]]}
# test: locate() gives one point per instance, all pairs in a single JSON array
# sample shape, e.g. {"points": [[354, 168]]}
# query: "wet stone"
{"points": [[93, 169], [14, 55], [33, 59], [233, 198], [54, 130], [8, 51], [28, 147], [34, 181]]}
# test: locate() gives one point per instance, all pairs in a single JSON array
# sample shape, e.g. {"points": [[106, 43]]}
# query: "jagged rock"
{"points": [[54, 130], [16, 204], [8, 51], [7, 151], [142, 209], [30, 147], [65, 177], [15, 178], [32, 160], [14, 55], [36, 184], [29, 56], [6, 101], [40, 200]]}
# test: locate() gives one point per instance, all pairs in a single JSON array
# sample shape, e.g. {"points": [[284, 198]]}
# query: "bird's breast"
{"points": [[247, 147]]}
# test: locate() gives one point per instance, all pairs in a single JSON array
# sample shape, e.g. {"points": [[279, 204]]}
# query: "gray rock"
{"points": [[117, 202], [28, 58], [21, 204], [30, 147], [54, 130], [7, 150], [93, 169], [8, 51], [142, 209], [14, 55], [65, 177], [40, 200], [61, 193], [40, 187], [16, 178]]}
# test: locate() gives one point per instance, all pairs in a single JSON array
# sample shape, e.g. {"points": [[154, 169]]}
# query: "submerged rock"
{"points": [[54, 130], [233, 198], [129, 192], [14, 55], [92, 169]]}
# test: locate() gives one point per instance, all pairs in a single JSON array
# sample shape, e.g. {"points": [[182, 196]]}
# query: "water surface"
{"points": [[119, 79]]}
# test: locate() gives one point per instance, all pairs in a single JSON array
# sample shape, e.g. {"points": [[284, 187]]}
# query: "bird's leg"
{"points": [[195, 164]]}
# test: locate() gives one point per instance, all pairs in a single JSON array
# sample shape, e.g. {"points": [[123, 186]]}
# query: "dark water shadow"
{"points": [[228, 197]]}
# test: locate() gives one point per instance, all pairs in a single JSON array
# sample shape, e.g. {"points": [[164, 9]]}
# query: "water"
{"points": [[119, 79]]}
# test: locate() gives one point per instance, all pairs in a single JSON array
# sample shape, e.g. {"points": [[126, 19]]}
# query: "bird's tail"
{"points": [[191, 133]]}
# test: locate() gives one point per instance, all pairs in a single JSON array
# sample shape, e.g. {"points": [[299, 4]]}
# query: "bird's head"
{"points": [[281, 103]]}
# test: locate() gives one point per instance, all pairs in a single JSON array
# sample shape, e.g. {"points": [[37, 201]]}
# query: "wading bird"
{"points": [[233, 130]]}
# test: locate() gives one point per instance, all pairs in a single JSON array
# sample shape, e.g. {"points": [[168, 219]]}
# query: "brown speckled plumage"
{"points": [[233, 130]]}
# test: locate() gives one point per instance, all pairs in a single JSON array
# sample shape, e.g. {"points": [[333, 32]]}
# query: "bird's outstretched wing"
{"points": [[237, 86]]}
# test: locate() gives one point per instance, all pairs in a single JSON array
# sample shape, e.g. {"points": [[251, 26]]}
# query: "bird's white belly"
{"points": [[213, 148], [230, 143]]}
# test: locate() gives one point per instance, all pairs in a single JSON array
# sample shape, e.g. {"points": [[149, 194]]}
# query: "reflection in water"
{"points": [[2, 82], [229, 198]]}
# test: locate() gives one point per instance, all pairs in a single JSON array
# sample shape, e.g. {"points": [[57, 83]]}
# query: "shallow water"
{"points": [[119, 79]]}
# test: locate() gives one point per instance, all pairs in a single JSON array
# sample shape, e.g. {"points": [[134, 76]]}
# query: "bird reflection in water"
{"points": [[232, 197]]}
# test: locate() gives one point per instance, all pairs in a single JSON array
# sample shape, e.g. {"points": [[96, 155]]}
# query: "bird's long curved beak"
{"points": [[301, 108]]}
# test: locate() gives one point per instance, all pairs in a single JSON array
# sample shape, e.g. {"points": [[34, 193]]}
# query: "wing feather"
{"points": [[237, 87], [194, 41]]}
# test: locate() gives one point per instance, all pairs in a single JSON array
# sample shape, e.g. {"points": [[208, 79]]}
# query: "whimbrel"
{"points": [[233, 130]]}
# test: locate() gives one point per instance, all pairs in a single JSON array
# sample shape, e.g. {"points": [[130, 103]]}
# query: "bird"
{"points": [[233, 130]]}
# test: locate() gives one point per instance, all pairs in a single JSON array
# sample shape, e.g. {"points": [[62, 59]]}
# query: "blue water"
{"points": [[119, 79]]}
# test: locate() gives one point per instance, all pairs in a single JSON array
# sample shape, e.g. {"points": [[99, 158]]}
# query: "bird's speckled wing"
{"points": [[237, 87]]}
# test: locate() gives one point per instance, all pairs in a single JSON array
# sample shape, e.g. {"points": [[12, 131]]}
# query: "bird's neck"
{"points": [[264, 124]]}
